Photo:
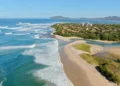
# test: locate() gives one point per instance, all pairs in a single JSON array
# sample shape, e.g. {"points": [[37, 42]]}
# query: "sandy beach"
{"points": [[78, 70], [114, 50], [66, 38], [69, 38]]}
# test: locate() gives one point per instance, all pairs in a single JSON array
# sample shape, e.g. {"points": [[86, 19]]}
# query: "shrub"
{"points": [[84, 47]]}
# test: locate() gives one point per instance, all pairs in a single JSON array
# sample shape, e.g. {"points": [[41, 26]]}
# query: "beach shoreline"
{"points": [[67, 39], [78, 70], [104, 41], [70, 38], [114, 50]]}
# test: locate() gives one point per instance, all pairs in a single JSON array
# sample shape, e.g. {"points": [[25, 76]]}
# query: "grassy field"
{"points": [[107, 67], [111, 70], [91, 59], [84, 47]]}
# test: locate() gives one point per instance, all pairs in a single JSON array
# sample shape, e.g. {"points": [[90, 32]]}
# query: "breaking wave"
{"points": [[43, 49], [17, 47], [37, 36], [9, 33], [48, 55], [19, 34], [2, 27], [2, 81], [55, 75]]}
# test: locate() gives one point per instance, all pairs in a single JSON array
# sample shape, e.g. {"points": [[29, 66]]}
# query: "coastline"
{"points": [[70, 38], [114, 50], [97, 79], [67, 39], [78, 70], [73, 75], [104, 41]]}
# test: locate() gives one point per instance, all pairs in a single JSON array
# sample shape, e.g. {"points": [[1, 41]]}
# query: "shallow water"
{"points": [[29, 55], [106, 46]]}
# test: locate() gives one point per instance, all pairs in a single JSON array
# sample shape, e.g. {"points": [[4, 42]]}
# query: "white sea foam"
{"points": [[21, 34], [42, 32], [36, 25], [9, 33], [54, 74], [44, 53], [17, 47], [20, 23], [2, 82], [14, 28], [48, 54], [2, 27], [11, 28], [24, 29], [37, 36], [40, 28]]}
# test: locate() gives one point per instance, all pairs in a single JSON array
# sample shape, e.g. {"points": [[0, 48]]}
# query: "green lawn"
{"points": [[84, 47]]}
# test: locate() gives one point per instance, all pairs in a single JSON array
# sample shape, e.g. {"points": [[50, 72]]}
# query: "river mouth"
{"points": [[107, 54], [28, 53], [102, 54]]}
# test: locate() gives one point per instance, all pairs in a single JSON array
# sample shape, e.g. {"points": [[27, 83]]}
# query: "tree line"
{"points": [[109, 32]]}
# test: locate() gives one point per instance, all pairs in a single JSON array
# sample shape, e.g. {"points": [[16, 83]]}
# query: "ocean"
{"points": [[29, 55]]}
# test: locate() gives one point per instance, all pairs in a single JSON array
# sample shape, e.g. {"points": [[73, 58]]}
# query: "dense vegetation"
{"points": [[94, 60], [111, 70], [84, 47], [108, 67], [89, 31]]}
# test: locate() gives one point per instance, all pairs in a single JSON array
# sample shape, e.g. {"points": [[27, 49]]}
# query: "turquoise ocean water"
{"points": [[29, 55]]}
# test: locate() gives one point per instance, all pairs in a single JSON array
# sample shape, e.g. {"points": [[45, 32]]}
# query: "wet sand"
{"points": [[114, 50], [79, 71], [73, 71], [66, 38]]}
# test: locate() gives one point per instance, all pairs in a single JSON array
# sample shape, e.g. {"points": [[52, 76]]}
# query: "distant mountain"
{"points": [[67, 18], [60, 18], [112, 18]]}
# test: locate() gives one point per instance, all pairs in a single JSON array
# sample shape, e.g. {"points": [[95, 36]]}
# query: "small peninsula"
{"points": [[108, 67], [110, 32]]}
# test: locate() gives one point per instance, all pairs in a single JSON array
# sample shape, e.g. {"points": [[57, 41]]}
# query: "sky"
{"points": [[67, 8]]}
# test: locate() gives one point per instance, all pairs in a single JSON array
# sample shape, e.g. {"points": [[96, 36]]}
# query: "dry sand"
{"points": [[114, 50], [92, 76], [69, 38], [95, 49], [78, 70], [66, 38]]}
